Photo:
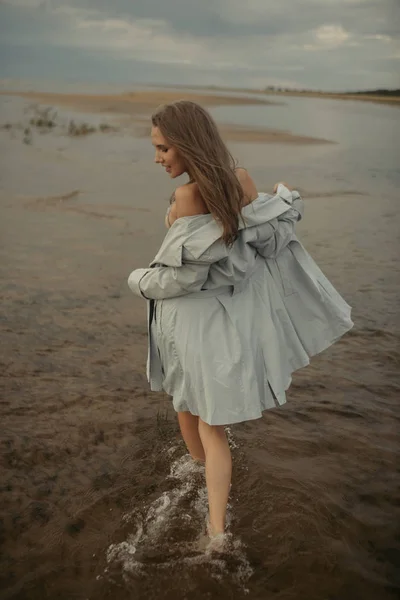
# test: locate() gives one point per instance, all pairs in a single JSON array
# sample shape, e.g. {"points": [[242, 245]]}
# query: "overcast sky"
{"points": [[318, 44]]}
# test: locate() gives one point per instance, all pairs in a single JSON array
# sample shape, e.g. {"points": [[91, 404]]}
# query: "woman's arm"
{"points": [[159, 282]]}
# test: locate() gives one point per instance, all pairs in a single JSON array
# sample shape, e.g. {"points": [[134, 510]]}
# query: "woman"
{"points": [[235, 303]]}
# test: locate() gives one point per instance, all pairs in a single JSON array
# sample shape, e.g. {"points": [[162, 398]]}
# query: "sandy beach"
{"points": [[99, 499], [136, 102], [139, 105]]}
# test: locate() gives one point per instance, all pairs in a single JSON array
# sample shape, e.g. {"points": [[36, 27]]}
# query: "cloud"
{"points": [[332, 35], [257, 43], [33, 4]]}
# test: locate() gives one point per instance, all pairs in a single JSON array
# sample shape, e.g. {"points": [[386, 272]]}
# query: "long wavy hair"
{"points": [[193, 132]]}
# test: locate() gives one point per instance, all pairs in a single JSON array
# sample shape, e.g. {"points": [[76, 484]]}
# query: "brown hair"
{"points": [[194, 133]]}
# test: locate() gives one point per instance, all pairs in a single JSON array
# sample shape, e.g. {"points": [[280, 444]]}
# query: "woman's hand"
{"points": [[283, 183]]}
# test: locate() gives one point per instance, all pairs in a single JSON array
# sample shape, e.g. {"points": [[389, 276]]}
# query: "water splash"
{"points": [[151, 547]]}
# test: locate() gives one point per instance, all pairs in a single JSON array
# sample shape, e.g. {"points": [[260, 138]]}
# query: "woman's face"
{"points": [[166, 155]]}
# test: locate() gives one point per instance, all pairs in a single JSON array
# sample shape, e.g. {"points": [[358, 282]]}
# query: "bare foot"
{"points": [[211, 531], [218, 541]]}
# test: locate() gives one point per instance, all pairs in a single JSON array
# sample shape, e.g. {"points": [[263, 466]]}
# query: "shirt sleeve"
{"points": [[160, 282], [273, 236]]}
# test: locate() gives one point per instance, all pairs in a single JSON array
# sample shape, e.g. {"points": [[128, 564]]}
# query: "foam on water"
{"points": [[186, 503]]}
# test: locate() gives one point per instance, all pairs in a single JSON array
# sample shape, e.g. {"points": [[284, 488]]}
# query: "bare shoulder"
{"points": [[188, 201], [249, 187]]}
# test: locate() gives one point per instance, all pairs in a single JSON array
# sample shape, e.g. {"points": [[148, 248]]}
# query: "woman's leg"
{"points": [[189, 425], [218, 472]]}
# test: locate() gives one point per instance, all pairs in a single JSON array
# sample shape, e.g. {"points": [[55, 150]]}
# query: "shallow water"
{"points": [[99, 499], [366, 135]]}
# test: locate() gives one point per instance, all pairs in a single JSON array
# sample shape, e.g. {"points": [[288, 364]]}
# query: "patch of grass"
{"points": [[44, 118], [42, 123], [27, 139], [75, 130], [163, 422], [104, 128]]}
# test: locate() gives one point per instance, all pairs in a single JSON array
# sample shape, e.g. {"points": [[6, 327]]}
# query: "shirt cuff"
{"points": [[134, 281], [284, 193], [298, 204]]}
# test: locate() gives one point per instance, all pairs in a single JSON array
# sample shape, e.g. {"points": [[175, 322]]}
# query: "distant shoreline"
{"points": [[393, 100], [392, 97], [135, 98]]}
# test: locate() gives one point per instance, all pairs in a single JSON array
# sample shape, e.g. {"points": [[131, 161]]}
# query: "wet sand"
{"points": [[140, 105], [236, 133], [98, 497], [137, 102]]}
